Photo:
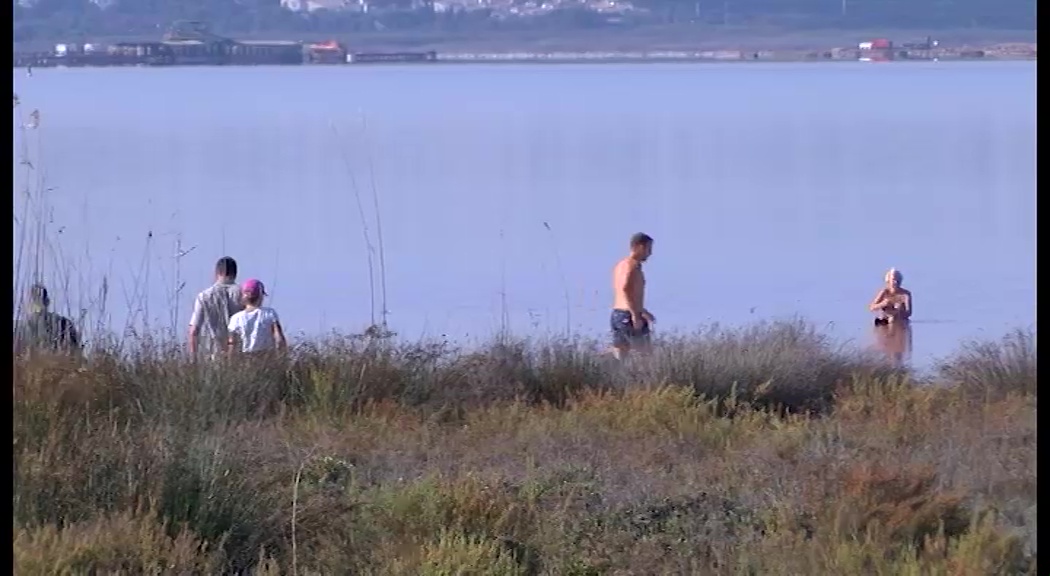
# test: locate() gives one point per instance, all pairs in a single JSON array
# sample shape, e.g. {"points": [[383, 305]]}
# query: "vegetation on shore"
{"points": [[759, 450]]}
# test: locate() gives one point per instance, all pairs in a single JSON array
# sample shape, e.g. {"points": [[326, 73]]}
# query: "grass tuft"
{"points": [[995, 368], [124, 544]]}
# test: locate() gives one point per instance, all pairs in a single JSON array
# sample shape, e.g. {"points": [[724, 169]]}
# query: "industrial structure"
{"points": [[189, 43]]}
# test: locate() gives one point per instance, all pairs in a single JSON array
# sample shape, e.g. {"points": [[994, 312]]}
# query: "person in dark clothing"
{"points": [[42, 329]]}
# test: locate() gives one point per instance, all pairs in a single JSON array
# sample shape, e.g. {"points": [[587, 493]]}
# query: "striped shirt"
{"points": [[212, 311]]}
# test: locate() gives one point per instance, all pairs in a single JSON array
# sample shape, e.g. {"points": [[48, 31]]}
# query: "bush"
{"points": [[120, 544], [995, 368], [525, 457], [786, 363]]}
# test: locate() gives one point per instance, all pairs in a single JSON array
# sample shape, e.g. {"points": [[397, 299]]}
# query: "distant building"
{"points": [[877, 50], [334, 5]]}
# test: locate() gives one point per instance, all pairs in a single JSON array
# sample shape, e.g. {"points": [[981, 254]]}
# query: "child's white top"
{"points": [[254, 328]]}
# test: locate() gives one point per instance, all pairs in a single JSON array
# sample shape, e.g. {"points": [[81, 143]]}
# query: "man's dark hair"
{"points": [[226, 267], [641, 239], [38, 295]]}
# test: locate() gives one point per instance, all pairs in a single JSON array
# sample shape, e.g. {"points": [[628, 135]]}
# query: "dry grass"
{"points": [[995, 368], [753, 451]]}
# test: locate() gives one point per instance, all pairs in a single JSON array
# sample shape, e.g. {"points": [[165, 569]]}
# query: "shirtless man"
{"points": [[630, 321], [892, 303]]}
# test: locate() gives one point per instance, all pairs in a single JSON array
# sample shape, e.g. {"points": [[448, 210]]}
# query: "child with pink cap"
{"points": [[256, 328]]}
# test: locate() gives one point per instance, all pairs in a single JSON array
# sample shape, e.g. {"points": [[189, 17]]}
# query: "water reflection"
{"points": [[894, 340]]}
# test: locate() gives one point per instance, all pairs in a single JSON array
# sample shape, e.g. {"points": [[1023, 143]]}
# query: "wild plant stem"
{"points": [[364, 226], [175, 305], [379, 221], [149, 270], [23, 234], [564, 282], [180, 252], [504, 319], [276, 266], [295, 511]]}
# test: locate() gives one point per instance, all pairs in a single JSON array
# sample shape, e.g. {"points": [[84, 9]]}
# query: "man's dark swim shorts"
{"points": [[624, 333]]}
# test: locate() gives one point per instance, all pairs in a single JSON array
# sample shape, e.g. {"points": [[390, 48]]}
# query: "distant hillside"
{"points": [[39, 21]]}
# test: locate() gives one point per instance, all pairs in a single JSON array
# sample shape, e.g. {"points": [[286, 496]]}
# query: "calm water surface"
{"points": [[771, 189]]}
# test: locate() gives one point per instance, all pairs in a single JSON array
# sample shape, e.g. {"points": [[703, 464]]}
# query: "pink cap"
{"points": [[253, 287]]}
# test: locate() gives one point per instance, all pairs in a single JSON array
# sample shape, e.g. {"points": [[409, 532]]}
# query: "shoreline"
{"points": [[561, 59], [296, 53], [684, 57]]}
